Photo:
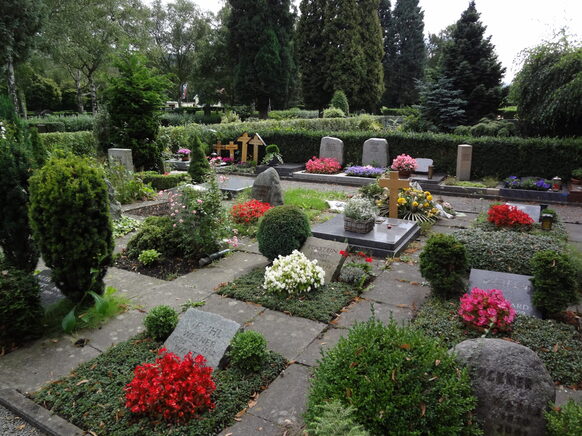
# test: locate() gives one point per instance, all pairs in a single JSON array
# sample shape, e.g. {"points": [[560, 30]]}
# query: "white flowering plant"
{"points": [[360, 209], [293, 274]]}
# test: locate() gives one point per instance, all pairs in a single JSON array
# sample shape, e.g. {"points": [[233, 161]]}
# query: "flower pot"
{"points": [[186, 158], [355, 226], [404, 174]]}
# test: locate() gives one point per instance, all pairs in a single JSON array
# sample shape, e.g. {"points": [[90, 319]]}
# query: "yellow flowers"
{"points": [[415, 204], [428, 197], [402, 200]]}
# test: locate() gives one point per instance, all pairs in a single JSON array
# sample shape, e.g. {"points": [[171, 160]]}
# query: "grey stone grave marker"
{"points": [[422, 165], [533, 211], [464, 161], [327, 255], [202, 333], [49, 293], [122, 156], [511, 383], [375, 152], [267, 188], [332, 147], [516, 288]]}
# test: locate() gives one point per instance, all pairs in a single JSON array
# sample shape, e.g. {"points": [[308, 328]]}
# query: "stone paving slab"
{"points": [[574, 232], [362, 311], [230, 308], [129, 283], [249, 245], [329, 338], [387, 289], [563, 395], [118, 329], [285, 401], [252, 425], [172, 294], [286, 335]]}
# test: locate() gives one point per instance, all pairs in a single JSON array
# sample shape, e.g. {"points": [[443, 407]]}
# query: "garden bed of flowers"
{"points": [[530, 183], [324, 165], [364, 171]]}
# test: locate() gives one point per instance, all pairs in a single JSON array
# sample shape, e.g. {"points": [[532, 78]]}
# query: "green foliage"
{"points": [[554, 282], [340, 101], [20, 310], [337, 419], [565, 420], [149, 257], [161, 182], [333, 112], [124, 225], [76, 245], [80, 143], [42, 93], [368, 122], [389, 376], [441, 104], [156, 233], [199, 166], [282, 230], [248, 351], [128, 186], [57, 123], [160, 322], [103, 308], [356, 274], [504, 250], [292, 113], [443, 262]]}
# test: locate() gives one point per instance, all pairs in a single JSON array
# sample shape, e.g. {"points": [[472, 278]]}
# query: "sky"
{"points": [[513, 25]]}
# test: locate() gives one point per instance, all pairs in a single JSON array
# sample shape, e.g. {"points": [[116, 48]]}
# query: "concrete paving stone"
{"points": [[286, 335], [249, 245], [574, 232], [361, 311], [230, 308], [252, 425], [387, 289], [129, 283], [324, 342], [285, 400], [118, 329], [172, 294], [563, 395], [42, 361], [443, 229], [402, 272]]}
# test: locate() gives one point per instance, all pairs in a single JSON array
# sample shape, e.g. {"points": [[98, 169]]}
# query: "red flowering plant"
{"points": [[325, 165], [504, 215], [355, 271], [249, 212], [487, 309], [173, 389]]}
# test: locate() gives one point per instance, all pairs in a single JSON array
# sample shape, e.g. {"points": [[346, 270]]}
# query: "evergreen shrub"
{"points": [[554, 282], [340, 101], [248, 350], [160, 322], [156, 233], [333, 112], [199, 166], [78, 143], [282, 230], [565, 420], [69, 211], [333, 418], [443, 262], [398, 380], [161, 182]]}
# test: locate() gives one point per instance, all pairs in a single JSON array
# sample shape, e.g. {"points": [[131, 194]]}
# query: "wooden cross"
{"points": [[255, 142], [394, 184], [231, 147], [218, 147], [244, 139]]}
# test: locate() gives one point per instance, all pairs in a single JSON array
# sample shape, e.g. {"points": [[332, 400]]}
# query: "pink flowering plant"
{"points": [[487, 309], [184, 152], [324, 165], [404, 163]]}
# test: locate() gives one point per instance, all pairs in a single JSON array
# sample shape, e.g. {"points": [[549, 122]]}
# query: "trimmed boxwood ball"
{"points": [[69, 212], [160, 322], [282, 230], [443, 262], [398, 380], [248, 350]]}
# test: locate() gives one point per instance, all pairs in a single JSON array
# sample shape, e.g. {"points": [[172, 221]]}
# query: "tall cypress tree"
{"points": [[469, 60], [386, 23], [372, 87]]}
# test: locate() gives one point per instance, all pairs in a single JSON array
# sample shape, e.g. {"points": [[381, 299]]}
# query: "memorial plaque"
{"points": [[49, 293], [512, 386], [267, 188], [202, 333], [375, 152], [327, 254], [122, 156], [422, 165], [332, 148], [464, 159], [516, 288], [533, 211]]}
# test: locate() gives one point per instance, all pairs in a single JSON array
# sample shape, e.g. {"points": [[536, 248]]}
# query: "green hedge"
{"points": [[79, 143], [161, 182], [54, 123]]}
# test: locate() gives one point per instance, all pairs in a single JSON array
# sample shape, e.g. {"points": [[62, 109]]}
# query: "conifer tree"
{"points": [[469, 60], [386, 24], [372, 87]]}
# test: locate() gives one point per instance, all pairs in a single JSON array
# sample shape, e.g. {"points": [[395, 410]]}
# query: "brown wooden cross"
{"points": [[244, 140], [231, 147], [394, 184], [255, 142], [218, 147]]}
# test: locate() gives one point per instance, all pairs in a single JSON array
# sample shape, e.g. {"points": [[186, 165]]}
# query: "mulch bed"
{"points": [[168, 269]]}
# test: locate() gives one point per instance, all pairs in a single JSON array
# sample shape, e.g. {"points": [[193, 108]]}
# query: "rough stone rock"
{"points": [[267, 188]]}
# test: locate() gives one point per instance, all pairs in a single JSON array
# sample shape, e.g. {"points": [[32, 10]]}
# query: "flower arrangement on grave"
{"points": [[364, 171], [359, 215], [249, 212], [529, 183], [487, 309], [404, 164], [172, 389], [504, 215], [324, 165], [356, 269], [293, 274], [215, 161], [416, 205], [184, 153], [273, 155]]}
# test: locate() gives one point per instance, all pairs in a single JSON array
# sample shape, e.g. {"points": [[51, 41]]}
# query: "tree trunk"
{"points": [[93, 87], [23, 108], [77, 78], [12, 84]]}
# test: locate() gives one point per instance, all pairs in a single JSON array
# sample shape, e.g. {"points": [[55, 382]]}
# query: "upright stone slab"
{"points": [[511, 383], [327, 254], [516, 288], [114, 205], [422, 165], [464, 160], [375, 152], [267, 188], [533, 211], [332, 147], [202, 333], [122, 156]]}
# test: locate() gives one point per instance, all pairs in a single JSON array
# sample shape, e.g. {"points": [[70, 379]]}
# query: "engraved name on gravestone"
{"points": [[533, 211], [422, 165], [516, 288], [327, 254], [375, 152], [512, 386], [202, 333], [49, 293], [333, 148], [122, 156]]}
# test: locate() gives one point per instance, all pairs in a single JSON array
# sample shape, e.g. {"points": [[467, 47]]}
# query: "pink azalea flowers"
{"points": [[487, 309]]}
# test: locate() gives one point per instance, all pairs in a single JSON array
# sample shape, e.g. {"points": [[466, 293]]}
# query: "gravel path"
{"points": [[12, 425]]}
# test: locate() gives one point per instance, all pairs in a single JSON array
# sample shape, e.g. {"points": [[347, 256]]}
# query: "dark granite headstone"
{"points": [[267, 188], [422, 165], [512, 386], [202, 333], [533, 211], [516, 288], [49, 293], [327, 255]]}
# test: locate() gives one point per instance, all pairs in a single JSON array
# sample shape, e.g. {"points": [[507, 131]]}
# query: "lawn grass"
{"points": [[92, 397], [320, 305], [312, 199]]}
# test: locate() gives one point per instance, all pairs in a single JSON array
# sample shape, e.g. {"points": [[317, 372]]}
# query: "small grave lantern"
{"points": [[547, 221], [556, 184]]}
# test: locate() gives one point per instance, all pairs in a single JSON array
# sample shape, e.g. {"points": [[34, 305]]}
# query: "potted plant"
{"points": [[184, 153], [273, 156], [404, 164], [576, 178], [359, 215]]}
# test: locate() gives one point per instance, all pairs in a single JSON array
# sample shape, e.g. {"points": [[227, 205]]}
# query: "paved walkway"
{"points": [[395, 293]]}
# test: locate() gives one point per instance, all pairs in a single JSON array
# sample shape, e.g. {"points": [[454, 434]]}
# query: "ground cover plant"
{"points": [[364, 171], [97, 404], [565, 420], [321, 304]]}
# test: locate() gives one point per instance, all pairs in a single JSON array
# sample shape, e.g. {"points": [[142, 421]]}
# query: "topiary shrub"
{"points": [[282, 230], [443, 262], [248, 350], [20, 310], [160, 322], [199, 166], [333, 418], [156, 233], [161, 182], [554, 282], [69, 212], [340, 101], [565, 420], [333, 112], [391, 377]]}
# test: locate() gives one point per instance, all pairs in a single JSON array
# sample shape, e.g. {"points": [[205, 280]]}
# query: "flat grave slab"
{"points": [[336, 179], [326, 252], [533, 211], [516, 288], [178, 164], [49, 293], [425, 181], [284, 170], [422, 165], [234, 185], [381, 241]]}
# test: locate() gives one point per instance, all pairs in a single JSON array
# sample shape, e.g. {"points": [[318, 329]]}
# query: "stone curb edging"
{"points": [[36, 415]]}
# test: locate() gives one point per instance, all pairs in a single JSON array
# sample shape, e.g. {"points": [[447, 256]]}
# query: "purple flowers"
{"points": [[367, 171], [531, 183]]}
